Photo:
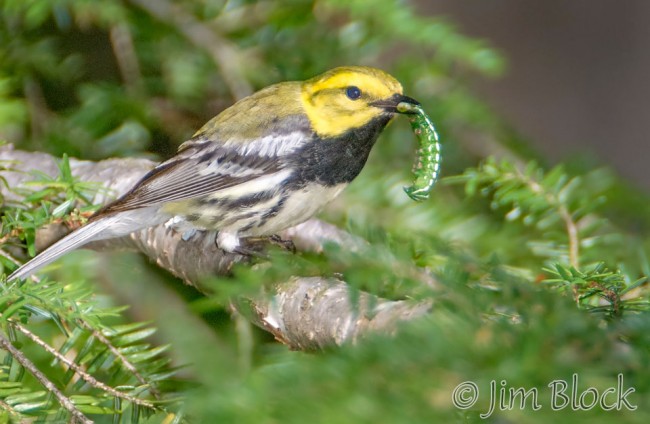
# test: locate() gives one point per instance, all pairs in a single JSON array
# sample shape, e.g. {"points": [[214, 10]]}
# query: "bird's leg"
{"points": [[250, 246], [285, 244], [230, 242], [255, 246]]}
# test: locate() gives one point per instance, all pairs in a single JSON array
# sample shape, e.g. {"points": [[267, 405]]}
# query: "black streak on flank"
{"points": [[245, 202], [239, 203], [332, 161], [273, 211], [228, 220]]}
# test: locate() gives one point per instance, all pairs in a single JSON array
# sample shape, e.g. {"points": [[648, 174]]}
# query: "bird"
{"points": [[270, 161]]}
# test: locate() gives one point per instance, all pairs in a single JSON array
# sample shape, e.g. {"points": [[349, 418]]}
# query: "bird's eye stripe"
{"points": [[353, 92]]}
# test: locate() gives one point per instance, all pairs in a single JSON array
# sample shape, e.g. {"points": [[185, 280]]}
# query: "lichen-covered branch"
{"points": [[305, 313], [312, 313]]}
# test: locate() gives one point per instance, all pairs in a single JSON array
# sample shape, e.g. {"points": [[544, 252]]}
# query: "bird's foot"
{"points": [[285, 244], [251, 246], [231, 243]]}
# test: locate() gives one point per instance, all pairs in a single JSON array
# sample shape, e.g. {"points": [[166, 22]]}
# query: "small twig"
{"points": [[99, 336], [572, 232], [127, 59], [15, 414], [223, 52], [77, 416], [610, 295], [571, 227], [574, 242], [77, 369], [11, 234], [37, 107], [7, 256], [115, 351]]}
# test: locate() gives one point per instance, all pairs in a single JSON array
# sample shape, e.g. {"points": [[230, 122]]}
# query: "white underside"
{"points": [[298, 207]]}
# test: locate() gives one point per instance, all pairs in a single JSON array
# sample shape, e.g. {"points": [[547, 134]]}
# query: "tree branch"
{"points": [[313, 313], [305, 313]]}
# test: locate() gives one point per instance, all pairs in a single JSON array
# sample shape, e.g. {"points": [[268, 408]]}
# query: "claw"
{"points": [[285, 244]]}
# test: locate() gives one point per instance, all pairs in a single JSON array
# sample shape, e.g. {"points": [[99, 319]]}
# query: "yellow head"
{"points": [[349, 97]]}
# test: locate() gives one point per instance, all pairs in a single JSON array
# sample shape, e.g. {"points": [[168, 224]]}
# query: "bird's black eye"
{"points": [[353, 92]]}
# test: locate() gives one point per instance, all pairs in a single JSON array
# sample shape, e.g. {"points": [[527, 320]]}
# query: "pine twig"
{"points": [[66, 403], [5, 406], [223, 52], [8, 256], [125, 361], [15, 261], [98, 335], [572, 232], [77, 369], [127, 59], [571, 226]]}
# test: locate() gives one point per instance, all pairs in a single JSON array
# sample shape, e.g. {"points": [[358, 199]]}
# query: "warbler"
{"points": [[270, 161]]}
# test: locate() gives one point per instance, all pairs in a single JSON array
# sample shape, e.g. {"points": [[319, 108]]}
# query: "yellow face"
{"points": [[341, 99]]}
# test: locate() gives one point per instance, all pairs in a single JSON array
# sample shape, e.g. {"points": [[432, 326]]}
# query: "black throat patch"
{"points": [[332, 161]]}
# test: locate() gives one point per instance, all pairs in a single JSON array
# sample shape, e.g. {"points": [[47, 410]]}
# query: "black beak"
{"points": [[407, 104]]}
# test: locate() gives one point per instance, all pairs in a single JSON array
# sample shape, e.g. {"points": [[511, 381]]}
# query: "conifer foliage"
{"points": [[521, 274]]}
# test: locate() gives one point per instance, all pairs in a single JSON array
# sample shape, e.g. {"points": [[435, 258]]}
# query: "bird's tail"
{"points": [[89, 232]]}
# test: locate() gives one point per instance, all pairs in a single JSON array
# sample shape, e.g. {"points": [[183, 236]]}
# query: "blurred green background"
{"points": [[104, 78]]}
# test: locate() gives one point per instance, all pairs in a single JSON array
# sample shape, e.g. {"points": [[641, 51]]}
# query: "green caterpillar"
{"points": [[427, 166]]}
